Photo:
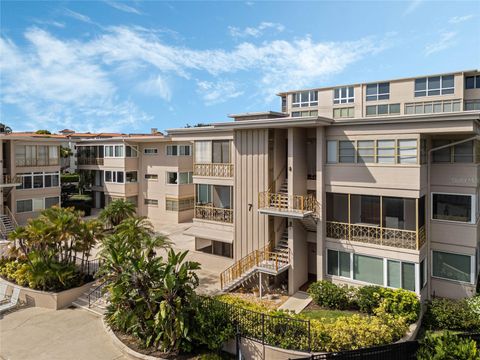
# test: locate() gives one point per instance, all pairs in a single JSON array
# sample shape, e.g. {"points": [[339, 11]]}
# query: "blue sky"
{"points": [[131, 66]]}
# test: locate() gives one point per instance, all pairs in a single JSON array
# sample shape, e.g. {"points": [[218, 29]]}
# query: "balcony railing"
{"points": [[214, 169], [36, 162], [206, 212], [371, 234], [285, 202], [10, 180], [90, 161]]}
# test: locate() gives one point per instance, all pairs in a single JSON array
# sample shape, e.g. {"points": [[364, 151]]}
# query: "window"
{"points": [[51, 201], [434, 85], [172, 150], [24, 206], [452, 266], [453, 207], [109, 151], [151, 177], [305, 113], [460, 153], [172, 204], [179, 150], [117, 151], [401, 275], [365, 151], [346, 152], [368, 269], [26, 182], [152, 151], [172, 178], [343, 95], [151, 202], [305, 98], [429, 107], [52, 180], [284, 103], [472, 82], [380, 91], [407, 151], [36, 155], [185, 178], [463, 153], [114, 176], [131, 176], [338, 263], [472, 105], [131, 151], [221, 152], [386, 151], [343, 112], [203, 152], [204, 194], [385, 109], [331, 151]]}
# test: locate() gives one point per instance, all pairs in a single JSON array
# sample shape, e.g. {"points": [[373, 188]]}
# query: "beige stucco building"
{"points": [[373, 183]]}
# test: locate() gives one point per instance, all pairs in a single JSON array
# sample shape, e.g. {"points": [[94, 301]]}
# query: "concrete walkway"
{"points": [[297, 302], [42, 334]]}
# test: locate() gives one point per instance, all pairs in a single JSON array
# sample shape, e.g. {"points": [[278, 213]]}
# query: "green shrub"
{"points": [[329, 295], [450, 315], [474, 304], [368, 298], [399, 302], [69, 178], [447, 346]]}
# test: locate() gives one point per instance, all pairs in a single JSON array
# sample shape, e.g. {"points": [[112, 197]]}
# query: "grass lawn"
{"points": [[329, 315]]}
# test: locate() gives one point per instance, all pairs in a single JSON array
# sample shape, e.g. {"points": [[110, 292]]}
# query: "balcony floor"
{"points": [[289, 213]]}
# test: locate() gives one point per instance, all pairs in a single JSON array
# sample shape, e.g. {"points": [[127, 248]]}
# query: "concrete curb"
{"points": [[130, 353]]}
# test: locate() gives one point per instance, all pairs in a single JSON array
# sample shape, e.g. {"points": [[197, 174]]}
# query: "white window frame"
{"points": [[43, 174], [472, 267], [114, 177], [150, 151], [309, 103], [350, 98], [473, 208], [178, 147], [439, 89], [113, 148], [378, 93]]}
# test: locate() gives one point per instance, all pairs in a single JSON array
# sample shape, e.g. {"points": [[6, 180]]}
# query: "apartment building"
{"points": [[151, 171], [372, 183], [30, 179]]}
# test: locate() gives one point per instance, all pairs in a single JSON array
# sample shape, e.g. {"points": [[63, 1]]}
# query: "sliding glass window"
{"points": [[453, 207], [368, 269]]}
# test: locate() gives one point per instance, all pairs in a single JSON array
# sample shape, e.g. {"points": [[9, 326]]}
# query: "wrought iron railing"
{"points": [[285, 202], [371, 234], [9, 179], [96, 294], [212, 213], [88, 267], [213, 169], [263, 258], [89, 161]]}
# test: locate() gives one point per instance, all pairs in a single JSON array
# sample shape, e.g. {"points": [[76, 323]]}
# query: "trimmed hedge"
{"points": [[452, 315], [69, 178]]}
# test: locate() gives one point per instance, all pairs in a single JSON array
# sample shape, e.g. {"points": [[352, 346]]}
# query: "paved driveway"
{"points": [[42, 334]]}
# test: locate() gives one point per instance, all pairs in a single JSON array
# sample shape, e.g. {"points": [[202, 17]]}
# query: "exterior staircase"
{"points": [[93, 299], [267, 260], [7, 223]]}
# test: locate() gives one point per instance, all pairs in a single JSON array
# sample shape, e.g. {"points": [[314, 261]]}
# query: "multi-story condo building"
{"points": [[372, 183], [30, 179], [149, 170]]}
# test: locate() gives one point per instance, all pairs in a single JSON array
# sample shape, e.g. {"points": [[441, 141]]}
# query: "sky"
{"points": [[129, 66]]}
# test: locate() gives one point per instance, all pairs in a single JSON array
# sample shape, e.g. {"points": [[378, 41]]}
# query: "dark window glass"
{"points": [[337, 207], [332, 262], [420, 84], [470, 82], [452, 207], [463, 153], [38, 181]]}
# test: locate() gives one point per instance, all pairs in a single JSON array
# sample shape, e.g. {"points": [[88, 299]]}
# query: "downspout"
{"points": [[429, 202]]}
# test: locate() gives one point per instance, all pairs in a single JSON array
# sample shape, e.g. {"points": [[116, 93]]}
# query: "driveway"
{"points": [[38, 334]]}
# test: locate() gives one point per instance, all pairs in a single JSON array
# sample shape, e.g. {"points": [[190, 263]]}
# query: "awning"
{"points": [[210, 234]]}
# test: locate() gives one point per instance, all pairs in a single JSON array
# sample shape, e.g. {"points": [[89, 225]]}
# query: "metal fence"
{"points": [[88, 267]]}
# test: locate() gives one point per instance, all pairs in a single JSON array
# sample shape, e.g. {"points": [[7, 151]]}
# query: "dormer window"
{"points": [[343, 95], [305, 98]]}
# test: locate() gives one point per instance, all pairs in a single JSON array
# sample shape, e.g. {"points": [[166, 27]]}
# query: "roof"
{"points": [[259, 113], [376, 81]]}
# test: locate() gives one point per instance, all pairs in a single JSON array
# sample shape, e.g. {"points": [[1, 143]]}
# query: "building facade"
{"points": [[373, 183]]}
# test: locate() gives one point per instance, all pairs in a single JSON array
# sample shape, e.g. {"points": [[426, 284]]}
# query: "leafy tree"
{"points": [[65, 152], [117, 211], [43, 132]]}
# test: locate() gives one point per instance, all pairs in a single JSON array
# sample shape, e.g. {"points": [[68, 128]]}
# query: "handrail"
{"points": [[283, 201], [264, 257], [207, 212], [96, 293], [213, 169], [9, 213], [12, 179], [270, 188]]}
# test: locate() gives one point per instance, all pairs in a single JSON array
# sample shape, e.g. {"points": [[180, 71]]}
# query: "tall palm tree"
{"points": [[117, 211]]}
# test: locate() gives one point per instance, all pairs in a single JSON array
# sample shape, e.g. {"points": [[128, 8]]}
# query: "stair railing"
{"points": [[271, 188], [8, 212], [96, 294], [3, 230]]}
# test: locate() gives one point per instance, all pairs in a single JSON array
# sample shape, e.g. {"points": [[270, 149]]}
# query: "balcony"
{"points": [[90, 161], [211, 213], [404, 239], [224, 170], [9, 180], [283, 204]]}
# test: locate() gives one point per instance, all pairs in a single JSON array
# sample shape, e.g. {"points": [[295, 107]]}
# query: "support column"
{"points": [[321, 198]]}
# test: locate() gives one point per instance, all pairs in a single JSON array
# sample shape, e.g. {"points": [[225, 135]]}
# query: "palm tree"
{"points": [[89, 232], [117, 211]]}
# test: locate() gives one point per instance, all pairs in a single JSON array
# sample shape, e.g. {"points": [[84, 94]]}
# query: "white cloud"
{"points": [[217, 92], [156, 86], [122, 6], [460, 19], [50, 22], [77, 16], [77, 83], [445, 41], [255, 31], [412, 6]]}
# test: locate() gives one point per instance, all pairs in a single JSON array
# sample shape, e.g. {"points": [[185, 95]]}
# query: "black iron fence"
{"points": [[274, 330], [96, 293], [88, 267]]}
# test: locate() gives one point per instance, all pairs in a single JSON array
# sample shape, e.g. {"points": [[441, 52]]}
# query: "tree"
{"points": [[5, 129], [43, 132], [117, 211], [65, 152]]}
